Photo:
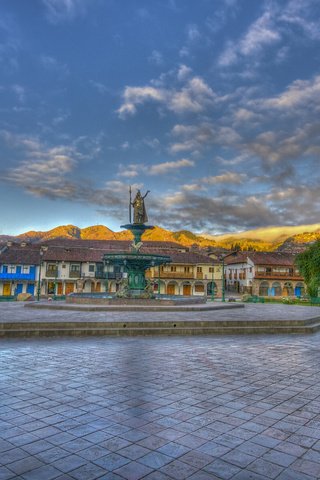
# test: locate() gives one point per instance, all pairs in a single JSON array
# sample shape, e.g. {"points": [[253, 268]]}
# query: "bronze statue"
{"points": [[139, 210]]}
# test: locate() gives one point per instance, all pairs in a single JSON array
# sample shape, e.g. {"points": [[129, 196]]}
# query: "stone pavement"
{"points": [[15, 312], [160, 408]]}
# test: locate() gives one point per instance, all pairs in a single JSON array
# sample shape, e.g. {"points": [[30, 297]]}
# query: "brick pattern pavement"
{"points": [[160, 408]]}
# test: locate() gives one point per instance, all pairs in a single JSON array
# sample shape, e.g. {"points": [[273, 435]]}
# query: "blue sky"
{"points": [[213, 105]]}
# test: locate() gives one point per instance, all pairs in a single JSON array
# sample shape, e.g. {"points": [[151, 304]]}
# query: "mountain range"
{"points": [[267, 239]]}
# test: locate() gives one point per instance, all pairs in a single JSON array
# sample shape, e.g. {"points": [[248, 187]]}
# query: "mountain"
{"points": [[262, 239]]}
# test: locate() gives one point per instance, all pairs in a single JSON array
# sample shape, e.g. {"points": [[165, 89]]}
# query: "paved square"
{"points": [[160, 408]]}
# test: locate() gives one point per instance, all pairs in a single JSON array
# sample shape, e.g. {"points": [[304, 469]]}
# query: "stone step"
{"points": [[158, 328]]}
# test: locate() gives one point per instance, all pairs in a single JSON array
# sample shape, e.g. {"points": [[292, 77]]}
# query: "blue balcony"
{"points": [[18, 275]]}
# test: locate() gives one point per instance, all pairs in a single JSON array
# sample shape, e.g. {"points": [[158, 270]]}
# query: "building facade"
{"points": [[263, 274], [61, 267]]}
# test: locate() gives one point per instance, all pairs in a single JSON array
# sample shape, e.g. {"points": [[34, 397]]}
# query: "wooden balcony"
{"points": [[52, 273], [74, 274], [178, 275], [279, 275]]}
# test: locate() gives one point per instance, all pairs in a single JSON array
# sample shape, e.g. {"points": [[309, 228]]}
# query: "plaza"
{"points": [[174, 407]]}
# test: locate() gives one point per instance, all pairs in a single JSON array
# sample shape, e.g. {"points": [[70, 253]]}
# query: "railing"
{"points": [[199, 275], [175, 275], [52, 273], [106, 275], [74, 274], [278, 275]]}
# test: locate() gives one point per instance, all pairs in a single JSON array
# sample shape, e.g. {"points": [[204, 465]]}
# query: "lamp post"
{"points": [[158, 279], [212, 285], [55, 282], [107, 281], [39, 275], [223, 289]]}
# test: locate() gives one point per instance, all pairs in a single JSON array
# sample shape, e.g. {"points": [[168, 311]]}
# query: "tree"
{"points": [[308, 263]]}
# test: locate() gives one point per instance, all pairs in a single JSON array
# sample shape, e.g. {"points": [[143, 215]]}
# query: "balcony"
{"points": [[106, 275], [188, 275], [279, 275], [52, 273], [18, 276], [199, 275], [74, 274]]}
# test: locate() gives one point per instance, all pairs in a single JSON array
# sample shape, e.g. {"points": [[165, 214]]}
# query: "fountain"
{"points": [[135, 263]]}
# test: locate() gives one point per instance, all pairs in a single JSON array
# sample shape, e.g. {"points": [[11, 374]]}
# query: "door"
{"points": [[297, 291], [186, 289], [59, 288], [98, 287], [18, 270], [7, 288], [69, 288], [30, 288], [171, 290], [19, 288]]}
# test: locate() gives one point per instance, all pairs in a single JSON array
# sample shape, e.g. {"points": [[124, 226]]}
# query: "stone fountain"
{"points": [[135, 263]]}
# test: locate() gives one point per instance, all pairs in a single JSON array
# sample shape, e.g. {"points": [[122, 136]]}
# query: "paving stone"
{"points": [[6, 474], [155, 460], [178, 470], [68, 463], [230, 407], [133, 471], [46, 471]]}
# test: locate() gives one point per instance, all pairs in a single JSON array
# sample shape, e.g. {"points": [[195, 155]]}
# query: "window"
{"points": [[173, 268], [199, 269], [211, 269], [186, 269], [52, 267], [25, 269], [91, 268], [75, 268], [199, 288]]}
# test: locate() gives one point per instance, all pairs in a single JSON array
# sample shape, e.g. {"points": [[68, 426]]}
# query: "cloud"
{"points": [[261, 33], [156, 58], [195, 138], [165, 167], [228, 177], [52, 65], [195, 96], [300, 92], [59, 11], [133, 170], [193, 33]]}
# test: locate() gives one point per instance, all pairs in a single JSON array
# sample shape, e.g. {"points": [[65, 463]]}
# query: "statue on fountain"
{"points": [[139, 210]]}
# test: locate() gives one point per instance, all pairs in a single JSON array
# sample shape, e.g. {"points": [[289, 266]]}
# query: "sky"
{"points": [[212, 105]]}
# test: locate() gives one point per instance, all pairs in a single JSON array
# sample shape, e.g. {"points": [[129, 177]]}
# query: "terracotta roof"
{"points": [[262, 258], [93, 251]]}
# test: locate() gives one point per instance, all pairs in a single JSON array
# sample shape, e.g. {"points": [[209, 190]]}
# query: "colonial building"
{"points": [[61, 267], [263, 273]]}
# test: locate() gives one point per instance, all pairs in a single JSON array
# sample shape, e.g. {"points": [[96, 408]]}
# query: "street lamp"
{"points": [[55, 282], [107, 281], [212, 285], [223, 285], [39, 275]]}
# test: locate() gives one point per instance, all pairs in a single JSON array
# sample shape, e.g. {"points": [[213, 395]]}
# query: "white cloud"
{"points": [[165, 167], [298, 93], [228, 177], [261, 33], [64, 10], [156, 58], [195, 96]]}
